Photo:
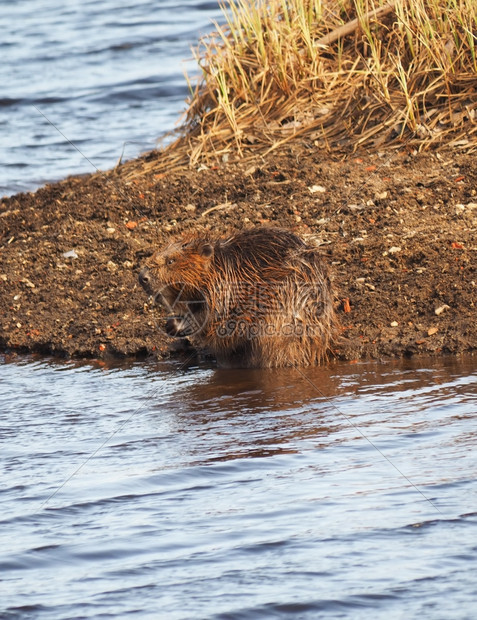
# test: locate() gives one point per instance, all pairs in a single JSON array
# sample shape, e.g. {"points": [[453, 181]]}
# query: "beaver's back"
{"points": [[257, 249]]}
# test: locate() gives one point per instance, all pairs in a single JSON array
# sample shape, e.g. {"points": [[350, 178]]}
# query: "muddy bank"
{"points": [[399, 229]]}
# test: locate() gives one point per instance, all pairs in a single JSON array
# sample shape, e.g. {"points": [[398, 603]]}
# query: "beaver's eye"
{"points": [[170, 261]]}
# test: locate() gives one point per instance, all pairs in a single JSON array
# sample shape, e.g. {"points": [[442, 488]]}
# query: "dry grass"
{"points": [[282, 69]]}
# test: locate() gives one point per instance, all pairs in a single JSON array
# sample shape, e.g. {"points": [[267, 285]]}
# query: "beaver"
{"points": [[259, 298]]}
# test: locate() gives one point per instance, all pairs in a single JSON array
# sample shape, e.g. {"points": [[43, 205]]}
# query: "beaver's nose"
{"points": [[144, 277]]}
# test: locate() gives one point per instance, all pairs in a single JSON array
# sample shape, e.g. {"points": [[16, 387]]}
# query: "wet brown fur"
{"points": [[260, 298]]}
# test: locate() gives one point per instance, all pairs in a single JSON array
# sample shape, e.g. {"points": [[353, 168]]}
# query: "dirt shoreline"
{"points": [[399, 229]]}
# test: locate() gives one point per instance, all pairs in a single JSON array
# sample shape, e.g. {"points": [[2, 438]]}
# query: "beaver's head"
{"points": [[180, 269]]}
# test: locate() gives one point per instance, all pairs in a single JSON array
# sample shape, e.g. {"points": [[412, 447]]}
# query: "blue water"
{"points": [[153, 491], [106, 76]]}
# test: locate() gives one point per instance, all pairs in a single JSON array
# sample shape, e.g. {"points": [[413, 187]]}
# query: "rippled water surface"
{"points": [[152, 491], [99, 74]]}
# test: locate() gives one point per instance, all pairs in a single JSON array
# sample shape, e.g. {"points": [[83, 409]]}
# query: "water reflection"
{"points": [[254, 413], [249, 493]]}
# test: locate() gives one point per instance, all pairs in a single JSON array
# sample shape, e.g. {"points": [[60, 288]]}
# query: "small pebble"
{"points": [[394, 324], [317, 189]]}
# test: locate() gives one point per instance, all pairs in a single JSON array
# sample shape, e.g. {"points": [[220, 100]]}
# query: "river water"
{"points": [[153, 491], [105, 77]]}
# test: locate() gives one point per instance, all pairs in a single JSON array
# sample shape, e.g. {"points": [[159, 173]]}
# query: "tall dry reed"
{"points": [[338, 73]]}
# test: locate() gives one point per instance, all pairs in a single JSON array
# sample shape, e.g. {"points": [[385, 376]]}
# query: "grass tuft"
{"points": [[338, 73]]}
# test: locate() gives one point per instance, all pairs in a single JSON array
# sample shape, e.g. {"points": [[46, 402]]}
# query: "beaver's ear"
{"points": [[207, 250]]}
